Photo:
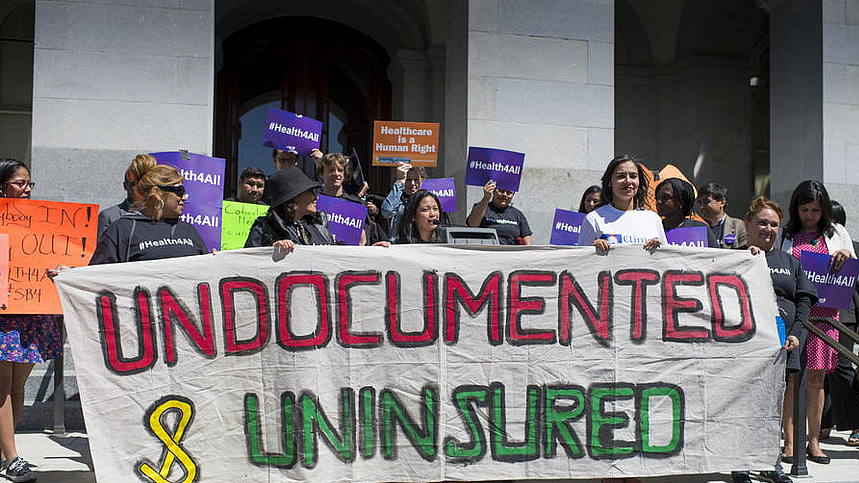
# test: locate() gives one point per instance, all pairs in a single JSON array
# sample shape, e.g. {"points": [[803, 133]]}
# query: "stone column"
{"points": [[115, 80], [796, 95], [540, 79], [841, 106]]}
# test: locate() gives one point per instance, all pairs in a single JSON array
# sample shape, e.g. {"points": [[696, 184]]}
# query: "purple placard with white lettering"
{"points": [[566, 227], [484, 164], [345, 219], [691, 236], [284, 130], [445, 189], [834, 289], [204, 183]]}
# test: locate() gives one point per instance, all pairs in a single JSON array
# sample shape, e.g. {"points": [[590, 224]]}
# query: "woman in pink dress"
{"points": [[811, 228]]}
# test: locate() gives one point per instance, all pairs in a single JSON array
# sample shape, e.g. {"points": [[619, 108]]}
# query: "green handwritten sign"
{"points": [[236, 221]]}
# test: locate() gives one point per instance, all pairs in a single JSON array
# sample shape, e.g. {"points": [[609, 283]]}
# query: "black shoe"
{"points": [[821, 460], [787, 459], [776, 476], [19, 471], [741, 477]]}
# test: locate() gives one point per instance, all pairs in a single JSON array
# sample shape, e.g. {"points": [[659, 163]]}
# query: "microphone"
{"points": [[435, 222]]}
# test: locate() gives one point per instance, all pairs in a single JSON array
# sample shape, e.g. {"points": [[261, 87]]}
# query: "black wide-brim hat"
{"points": [[288, 183]]}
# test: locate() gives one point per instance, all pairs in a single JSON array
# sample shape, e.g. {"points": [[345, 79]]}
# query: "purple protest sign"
{"points": [[691, 236], [484, 164], [357, 172], [204, 183], [286, 130], [566, 227], [345, 218], [445, 189], [834, 289]]}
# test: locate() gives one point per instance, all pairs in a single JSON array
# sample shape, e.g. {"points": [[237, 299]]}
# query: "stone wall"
{"points": [[841, 106], [113, 80], [540, 81]]}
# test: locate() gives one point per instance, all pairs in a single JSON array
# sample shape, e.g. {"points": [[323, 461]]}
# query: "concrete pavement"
{"points": [[66, 459]]}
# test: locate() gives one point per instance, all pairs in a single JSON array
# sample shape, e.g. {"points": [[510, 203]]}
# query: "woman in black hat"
{"points": [[292, 219]]}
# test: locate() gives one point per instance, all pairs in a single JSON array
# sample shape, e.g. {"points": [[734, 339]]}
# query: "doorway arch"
{"points": [[306, 65]]}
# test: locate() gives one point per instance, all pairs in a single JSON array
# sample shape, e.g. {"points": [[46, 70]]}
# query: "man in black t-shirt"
{"points": [[494, 211]]}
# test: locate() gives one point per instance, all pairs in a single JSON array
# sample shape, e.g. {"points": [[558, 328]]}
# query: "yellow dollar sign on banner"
{"points": [[173, 451]]}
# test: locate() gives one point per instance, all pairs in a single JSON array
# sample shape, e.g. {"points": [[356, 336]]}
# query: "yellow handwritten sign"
{"points": [[43, 235], [236, 221]]}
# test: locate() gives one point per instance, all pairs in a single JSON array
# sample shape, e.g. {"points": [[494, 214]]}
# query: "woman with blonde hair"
{"points": [[139, 166], [156, 231]]}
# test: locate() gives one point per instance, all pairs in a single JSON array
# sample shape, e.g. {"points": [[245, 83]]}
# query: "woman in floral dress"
{"points": [[24, 341]]}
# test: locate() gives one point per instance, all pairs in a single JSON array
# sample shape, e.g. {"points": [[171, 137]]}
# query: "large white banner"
{"points": [[427, 363]]}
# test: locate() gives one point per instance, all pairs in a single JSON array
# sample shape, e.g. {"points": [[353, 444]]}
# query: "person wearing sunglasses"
{"points": [[156, 231], [24, 341], [139, 165]]}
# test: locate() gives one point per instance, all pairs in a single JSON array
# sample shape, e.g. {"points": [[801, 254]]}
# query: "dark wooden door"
{"points": [[308, 66]]}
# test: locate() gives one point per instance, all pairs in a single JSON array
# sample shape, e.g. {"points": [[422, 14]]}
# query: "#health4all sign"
{"points": [[503, 167], [204, 183], [286, 130], [566, 227]]}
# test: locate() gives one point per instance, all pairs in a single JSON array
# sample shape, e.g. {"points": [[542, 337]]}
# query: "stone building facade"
{"points": [[755, 95]]}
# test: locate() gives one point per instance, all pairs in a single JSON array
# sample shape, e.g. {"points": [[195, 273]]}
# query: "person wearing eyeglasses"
{"points": [[139, 165], [24, 341], [155, 232]]}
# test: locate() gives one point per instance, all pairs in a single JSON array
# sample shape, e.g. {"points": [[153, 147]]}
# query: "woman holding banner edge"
{"points": [[622, 217], [810, 228], [292, 219], [24, 341], [794, 295]]}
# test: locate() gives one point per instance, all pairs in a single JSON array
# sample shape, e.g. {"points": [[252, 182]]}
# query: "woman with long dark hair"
{"points": [[622, 218], [24, 341], [421, 219], [811, 228], [591, 199]]}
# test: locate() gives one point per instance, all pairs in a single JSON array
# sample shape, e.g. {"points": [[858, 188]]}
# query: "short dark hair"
{"points": [[591, 190], [838, 214], [251, 172], [408, 229], [275, 150], [684, 192], [607, 196], [8, 168], [717, 191], [806, 192]]}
